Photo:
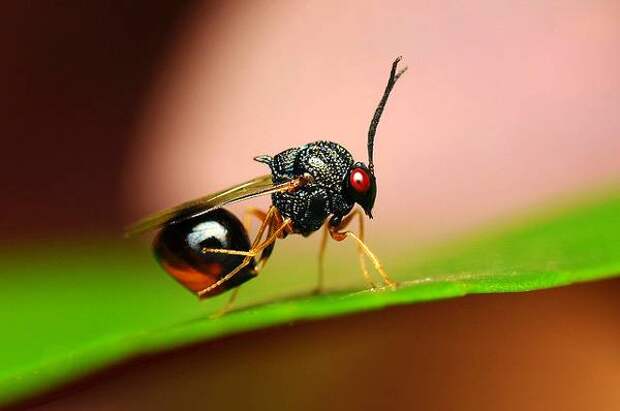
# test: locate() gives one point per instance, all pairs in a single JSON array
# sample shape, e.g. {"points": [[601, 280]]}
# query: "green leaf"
{"points": [[67, 310]]}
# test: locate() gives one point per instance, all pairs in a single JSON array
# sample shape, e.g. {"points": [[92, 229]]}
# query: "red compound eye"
{"points": [[359, 180]]}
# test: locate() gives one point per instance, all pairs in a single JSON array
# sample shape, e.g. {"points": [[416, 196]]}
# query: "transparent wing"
{"points": [[252, 188]]}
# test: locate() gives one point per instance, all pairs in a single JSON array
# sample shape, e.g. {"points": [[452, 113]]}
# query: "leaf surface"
{"points": [[69, 310]]}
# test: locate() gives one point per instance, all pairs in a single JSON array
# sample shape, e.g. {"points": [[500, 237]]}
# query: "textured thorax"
{"points": [[308, 207]]}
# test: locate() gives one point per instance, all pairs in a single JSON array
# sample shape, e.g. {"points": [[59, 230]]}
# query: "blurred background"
{"points": [[111, 110]]}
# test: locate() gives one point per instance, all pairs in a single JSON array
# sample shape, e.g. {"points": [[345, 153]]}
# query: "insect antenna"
{"points": [[375, 119]]}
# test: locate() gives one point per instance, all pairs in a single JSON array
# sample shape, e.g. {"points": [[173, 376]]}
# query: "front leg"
{"points": [[337, 233]]}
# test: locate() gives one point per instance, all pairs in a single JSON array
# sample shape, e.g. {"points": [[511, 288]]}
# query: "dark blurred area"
{"points": [[73, 77]]}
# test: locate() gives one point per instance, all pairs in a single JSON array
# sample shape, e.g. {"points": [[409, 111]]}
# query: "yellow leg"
{"points": [[253, 252], [229, 304], [322, 247], [253, 212], [259, 266], [360, 252], [262, 260], [267, 220], [363, 249]]}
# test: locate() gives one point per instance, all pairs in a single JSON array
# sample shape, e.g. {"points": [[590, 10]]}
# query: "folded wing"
{"points": [[253, 188]]}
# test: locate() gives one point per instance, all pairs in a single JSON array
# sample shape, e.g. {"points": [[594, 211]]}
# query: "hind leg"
{"points": [[253, 251], [253, 212], [275, 230], [266, 220]]}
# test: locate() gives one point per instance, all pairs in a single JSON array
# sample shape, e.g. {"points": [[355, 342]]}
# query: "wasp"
{"points": [[207, 248]]}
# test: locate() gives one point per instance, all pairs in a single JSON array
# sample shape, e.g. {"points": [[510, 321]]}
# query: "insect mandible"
{"points": [[207, 249]]}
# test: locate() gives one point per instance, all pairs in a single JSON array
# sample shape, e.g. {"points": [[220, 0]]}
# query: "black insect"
{"points": [[207, 249]]}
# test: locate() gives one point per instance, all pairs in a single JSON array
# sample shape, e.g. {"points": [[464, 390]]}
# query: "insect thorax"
{"points": [[308, 207]]}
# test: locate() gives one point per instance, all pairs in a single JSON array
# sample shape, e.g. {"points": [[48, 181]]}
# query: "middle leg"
{"points": [[322, 247]]}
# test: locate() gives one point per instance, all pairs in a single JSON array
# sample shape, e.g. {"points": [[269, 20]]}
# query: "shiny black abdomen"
{"points": [[308, 207], [178, 248]]}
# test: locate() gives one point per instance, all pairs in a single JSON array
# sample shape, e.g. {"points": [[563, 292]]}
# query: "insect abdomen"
{"points": [[179, 249]]}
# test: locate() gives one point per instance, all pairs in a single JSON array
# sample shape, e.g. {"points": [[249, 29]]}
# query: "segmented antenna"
{"points": [[375, 119]]}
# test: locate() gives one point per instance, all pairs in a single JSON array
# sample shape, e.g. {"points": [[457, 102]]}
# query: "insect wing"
{"points": [[253, 188]]}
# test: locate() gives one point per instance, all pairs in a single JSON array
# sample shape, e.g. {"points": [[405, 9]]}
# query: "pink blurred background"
{"points": [[115, 110], [505, 105]]}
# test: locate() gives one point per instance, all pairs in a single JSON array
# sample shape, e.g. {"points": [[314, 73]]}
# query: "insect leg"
{"points": [[266, 220], [266, 253], [228, 306], [252, 212], [261, 261], [339, 235], [275, 233], [357, 212], [252, 252], [361, 254], [322, 247]]}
